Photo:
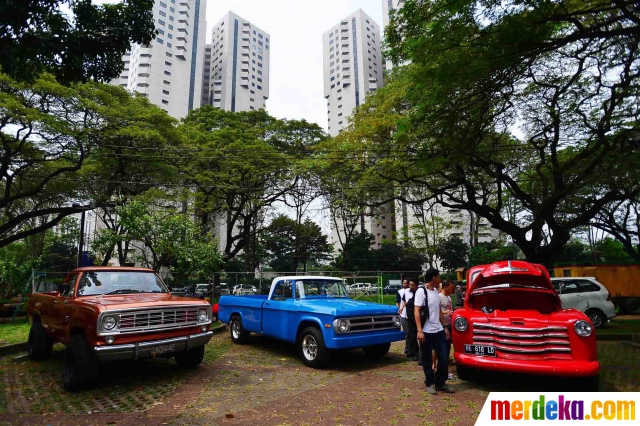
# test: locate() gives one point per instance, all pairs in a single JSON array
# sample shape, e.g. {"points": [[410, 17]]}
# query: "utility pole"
{"points": [[81, 242]]}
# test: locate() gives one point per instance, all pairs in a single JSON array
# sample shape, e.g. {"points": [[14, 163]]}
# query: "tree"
{"points": [[290, 244], [63, 147], [243, 163], [489, 252], [563, 74], [575, 251], [357, 254], [452, 253], [392, 256], [60, 251], [85, 43], [612, 251], [164, 237], [622, 220]]}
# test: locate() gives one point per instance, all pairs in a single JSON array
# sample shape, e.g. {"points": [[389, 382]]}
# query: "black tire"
{"points": [[465, 373], [633, 306], [39, 345], [587, 384], [238, 334], [312, 349], [377, 351], [79, 365], [191, 358], [597, 317]]}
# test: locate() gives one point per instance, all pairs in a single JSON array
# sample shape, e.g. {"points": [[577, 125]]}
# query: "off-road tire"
{"points": [[377, 351], [597, 317], [39, 345], [312, 349], [238, 334], [191, 358], [80, 364]]}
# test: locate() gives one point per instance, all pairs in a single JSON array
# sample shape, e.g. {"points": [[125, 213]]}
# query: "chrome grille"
{"points": [[373, 323], [522, 340], [144, 320]]}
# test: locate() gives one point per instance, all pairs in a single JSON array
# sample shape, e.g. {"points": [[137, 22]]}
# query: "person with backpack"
{"points": [[432, 335], [407, 307]]}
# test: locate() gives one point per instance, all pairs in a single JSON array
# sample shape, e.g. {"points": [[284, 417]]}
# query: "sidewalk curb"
{"points": [[12, 349]]}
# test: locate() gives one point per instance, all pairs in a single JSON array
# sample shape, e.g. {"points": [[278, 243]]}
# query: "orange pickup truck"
{"points": [[116, 313]]}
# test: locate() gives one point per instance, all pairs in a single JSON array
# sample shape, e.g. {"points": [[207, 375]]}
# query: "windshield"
{"points": [[119, 282], [308, 289]]}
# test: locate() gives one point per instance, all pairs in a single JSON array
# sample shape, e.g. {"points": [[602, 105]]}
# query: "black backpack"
{"points": [[410, 306]]}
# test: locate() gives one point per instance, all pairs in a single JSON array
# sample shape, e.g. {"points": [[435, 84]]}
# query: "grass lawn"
{"points": [[621, 326], [17, 332]]}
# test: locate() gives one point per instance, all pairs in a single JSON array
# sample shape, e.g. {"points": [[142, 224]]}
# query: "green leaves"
{"points": [[86, 43]]}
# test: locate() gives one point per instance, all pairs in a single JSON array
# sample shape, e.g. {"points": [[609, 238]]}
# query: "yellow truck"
{"points": [[622, 281]]}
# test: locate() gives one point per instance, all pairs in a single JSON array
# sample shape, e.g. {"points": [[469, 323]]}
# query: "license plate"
{"points": [[159, 350], [480, 350]]}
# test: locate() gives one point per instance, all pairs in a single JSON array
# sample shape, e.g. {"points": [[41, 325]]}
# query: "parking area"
{"points": [[265, 383]]}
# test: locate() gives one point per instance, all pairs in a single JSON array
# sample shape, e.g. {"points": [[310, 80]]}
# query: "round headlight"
{"points": [[343, 326], [460, 324], [583, 328], [396, 322], [109, 322], [202, 315]]}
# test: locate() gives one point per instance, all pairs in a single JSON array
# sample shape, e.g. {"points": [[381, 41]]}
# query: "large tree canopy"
{"points": [[63, 147], [74, 40], [533, 101], [241, 164]]}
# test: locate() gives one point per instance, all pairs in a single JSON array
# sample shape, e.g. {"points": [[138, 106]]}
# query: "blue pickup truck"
{"points": [[316, 314]]}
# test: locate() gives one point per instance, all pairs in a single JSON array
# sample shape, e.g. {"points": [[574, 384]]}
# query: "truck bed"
{"points": [[250, 306]]}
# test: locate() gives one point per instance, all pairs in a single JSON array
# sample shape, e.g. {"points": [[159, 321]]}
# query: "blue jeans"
{"points": [[438, 343]]}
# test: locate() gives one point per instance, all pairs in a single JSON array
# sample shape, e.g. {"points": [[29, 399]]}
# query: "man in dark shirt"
{"points": [[459, 298]]}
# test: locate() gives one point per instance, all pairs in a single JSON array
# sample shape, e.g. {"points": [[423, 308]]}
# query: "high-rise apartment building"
{"points": [[169, 70], [352, 69], [387, 7], [237, 61], [352, 66]]}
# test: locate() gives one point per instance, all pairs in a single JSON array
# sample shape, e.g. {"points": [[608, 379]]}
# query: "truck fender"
{"points": [[309, 321]]}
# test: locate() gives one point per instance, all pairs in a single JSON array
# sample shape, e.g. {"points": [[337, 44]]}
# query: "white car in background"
{"points": [[586, 294], [244, 290], [362, 288]]}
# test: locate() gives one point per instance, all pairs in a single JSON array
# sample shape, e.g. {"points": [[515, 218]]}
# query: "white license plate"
{"points": [[163, 349]]}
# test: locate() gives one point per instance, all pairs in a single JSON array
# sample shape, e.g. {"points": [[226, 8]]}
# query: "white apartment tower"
{"points": [[387, 7], [237, 61], [352, 66], [169, 70], [352, 69]]}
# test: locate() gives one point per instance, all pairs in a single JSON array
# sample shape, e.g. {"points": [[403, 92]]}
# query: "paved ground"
{"points": [[261, 383]]}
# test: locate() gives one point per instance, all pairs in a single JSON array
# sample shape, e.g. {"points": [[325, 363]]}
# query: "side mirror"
{"points": [[64, 289]]}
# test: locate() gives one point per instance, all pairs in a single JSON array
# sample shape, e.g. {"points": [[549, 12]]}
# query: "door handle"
{"points": [[266, 303], [55, 301]]}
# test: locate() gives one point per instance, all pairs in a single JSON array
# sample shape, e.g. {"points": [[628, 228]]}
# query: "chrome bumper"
{"points": [[143, 349]]}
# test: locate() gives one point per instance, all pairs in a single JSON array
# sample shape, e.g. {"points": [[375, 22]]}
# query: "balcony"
{"points": [[245, 51]]}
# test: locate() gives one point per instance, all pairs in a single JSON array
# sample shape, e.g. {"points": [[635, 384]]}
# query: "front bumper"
{"points": [[142, 350], [568, 368], [359, 340]]}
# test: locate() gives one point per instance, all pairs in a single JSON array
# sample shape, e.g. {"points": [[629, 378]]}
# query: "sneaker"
{"points": [[451, 377], [415, 358], [432, 389], [446, 388]]}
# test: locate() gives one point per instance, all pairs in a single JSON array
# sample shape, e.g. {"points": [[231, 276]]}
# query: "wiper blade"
{"points": [[122, 291]]}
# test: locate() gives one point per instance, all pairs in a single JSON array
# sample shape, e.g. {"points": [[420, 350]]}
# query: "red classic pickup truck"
{"points": [[116, 313], [512, 321]]}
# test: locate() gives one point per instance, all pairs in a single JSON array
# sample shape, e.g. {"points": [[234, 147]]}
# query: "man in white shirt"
{"points": [[433, 335], [402, 311]]}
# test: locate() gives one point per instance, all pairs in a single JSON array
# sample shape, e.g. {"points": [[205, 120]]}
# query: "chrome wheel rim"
{"points": [[596, 320], [309, 347], [235, 329]]}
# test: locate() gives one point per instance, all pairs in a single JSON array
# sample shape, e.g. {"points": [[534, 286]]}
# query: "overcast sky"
{"points": [[296, 28]]}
